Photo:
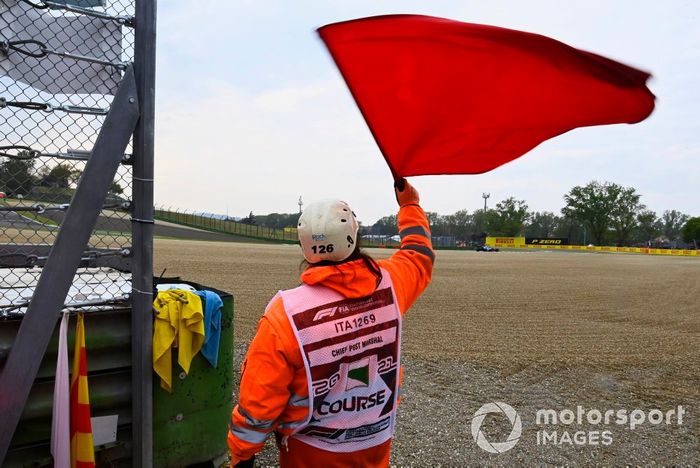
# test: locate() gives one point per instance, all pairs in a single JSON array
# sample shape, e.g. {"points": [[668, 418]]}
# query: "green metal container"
{"points": [[189, 425]]}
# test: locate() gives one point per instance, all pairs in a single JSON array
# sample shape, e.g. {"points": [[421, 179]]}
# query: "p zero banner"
{"points": [[547, 240]]}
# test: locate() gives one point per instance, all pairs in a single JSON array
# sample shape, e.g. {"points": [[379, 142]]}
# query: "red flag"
{"points": [[445, 97]]}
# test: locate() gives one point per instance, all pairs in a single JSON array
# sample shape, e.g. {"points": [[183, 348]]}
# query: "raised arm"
{"points": [[411, 267]]}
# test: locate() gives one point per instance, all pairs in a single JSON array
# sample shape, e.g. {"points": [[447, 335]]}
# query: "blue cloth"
{"points": [[212, 325]]}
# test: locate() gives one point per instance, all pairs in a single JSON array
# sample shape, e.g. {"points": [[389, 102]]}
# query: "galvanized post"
{"points": [[142, 233]]}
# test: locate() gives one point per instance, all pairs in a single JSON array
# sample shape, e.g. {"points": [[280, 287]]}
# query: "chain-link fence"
{"points": [[60, 64], [77, 81], [225, 225], [287, 234]]}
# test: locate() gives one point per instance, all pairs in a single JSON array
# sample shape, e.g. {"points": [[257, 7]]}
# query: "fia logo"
{"points": [[343, 309]]}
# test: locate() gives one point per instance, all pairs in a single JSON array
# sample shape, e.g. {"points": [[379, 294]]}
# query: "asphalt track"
{"points": [[12, 219], [119, 222]]}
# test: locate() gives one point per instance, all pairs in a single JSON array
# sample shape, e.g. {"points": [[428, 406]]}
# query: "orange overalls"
{"points": [[273, 393]]}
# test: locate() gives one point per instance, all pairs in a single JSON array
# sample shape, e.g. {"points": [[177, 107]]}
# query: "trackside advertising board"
{"points": [[547, 240], [505, 241], [522, 243]]}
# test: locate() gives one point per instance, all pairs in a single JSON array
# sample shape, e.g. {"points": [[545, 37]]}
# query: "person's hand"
{"points": [[406, 194]]}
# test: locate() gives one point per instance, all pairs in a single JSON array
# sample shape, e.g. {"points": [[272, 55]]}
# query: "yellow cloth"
{"points": [[179, 323]]}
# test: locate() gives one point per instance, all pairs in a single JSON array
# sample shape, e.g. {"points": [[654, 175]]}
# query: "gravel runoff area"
{"points": [[535, 330]]}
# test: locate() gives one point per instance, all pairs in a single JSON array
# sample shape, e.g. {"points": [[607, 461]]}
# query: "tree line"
{"points": [[600, 213], [20, 177]]}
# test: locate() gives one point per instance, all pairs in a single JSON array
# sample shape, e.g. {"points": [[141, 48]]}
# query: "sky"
{"points": [[252, 113]]}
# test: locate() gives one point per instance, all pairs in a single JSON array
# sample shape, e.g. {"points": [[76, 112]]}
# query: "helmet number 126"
{"points": [[319, 249]]}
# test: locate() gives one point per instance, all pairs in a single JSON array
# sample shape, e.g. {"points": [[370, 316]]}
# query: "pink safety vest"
{"points": [[351, 350]]}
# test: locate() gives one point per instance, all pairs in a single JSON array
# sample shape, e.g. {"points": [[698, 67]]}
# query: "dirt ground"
{"points": [[536, 330]]}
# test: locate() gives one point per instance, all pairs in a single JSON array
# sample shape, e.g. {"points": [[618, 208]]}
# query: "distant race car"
{"points": [[486, 248]]}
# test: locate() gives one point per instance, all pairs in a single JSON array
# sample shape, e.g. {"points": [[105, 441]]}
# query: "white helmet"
{"points": [[327, 231]]}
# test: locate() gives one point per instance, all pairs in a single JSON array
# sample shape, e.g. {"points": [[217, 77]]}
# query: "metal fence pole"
{"points": [[142, 233]]}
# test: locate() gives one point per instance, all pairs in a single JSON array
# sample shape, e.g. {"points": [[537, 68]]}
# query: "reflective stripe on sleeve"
{"points": [[291, 425], [297, 400], [256, 423], [249, 435], [414, 230], [427, 251]]}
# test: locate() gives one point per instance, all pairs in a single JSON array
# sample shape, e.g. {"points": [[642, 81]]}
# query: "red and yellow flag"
{"points": [[82, 452]]}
